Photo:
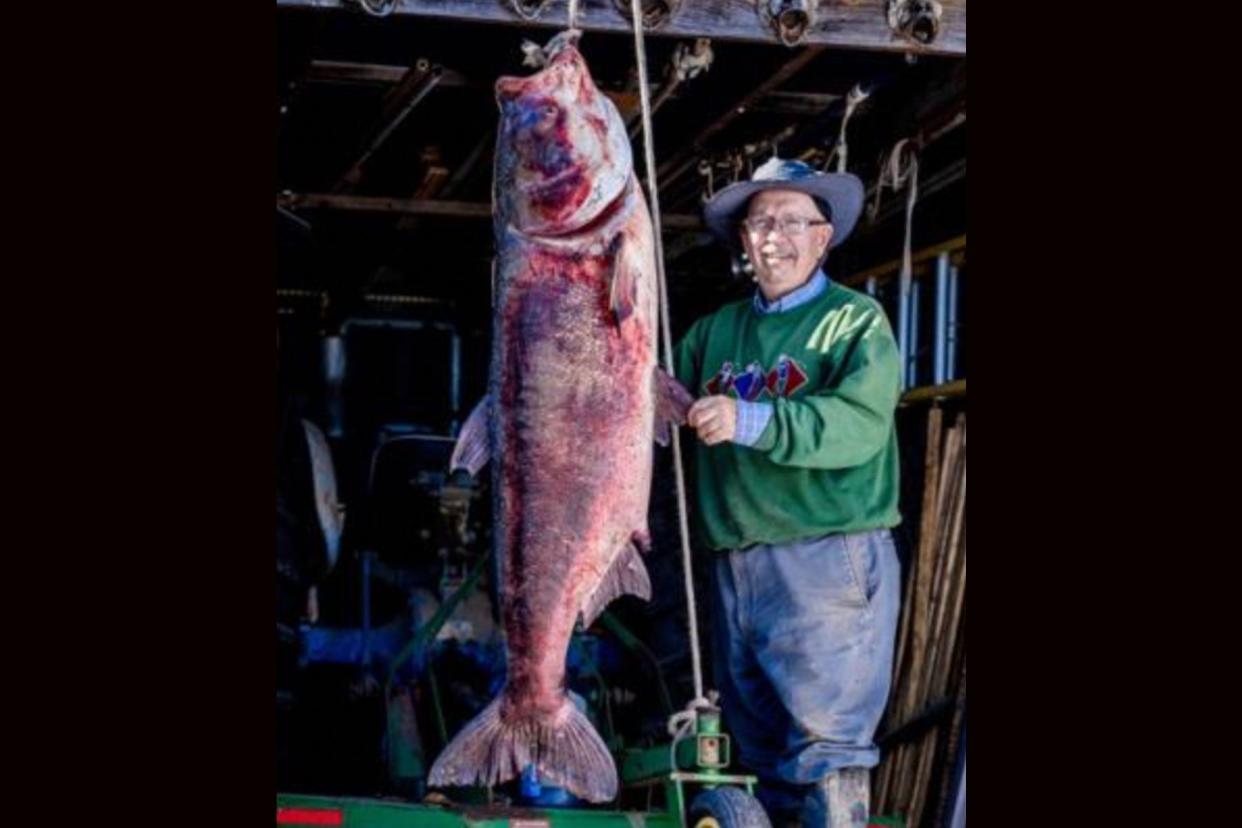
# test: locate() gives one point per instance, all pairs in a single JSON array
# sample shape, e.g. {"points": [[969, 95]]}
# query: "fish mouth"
{"points": [[542, 183]]}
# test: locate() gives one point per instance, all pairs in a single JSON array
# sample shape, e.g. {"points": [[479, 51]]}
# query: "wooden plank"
{"points": [[386, 74], [851, 24], [892, 267], [437, 181], [957, 388], [795, 103], [931, 478], [339, 71], [430, 207], [380, 204]]}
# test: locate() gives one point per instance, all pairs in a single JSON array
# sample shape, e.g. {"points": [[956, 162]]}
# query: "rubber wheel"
{"points": [[727, 808]]}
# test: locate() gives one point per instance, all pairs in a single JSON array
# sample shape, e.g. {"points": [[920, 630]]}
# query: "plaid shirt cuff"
{"points": [[752, 419]]}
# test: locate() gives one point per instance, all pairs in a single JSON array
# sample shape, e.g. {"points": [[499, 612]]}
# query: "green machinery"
{"points": [[697, 758], [657, 782]]}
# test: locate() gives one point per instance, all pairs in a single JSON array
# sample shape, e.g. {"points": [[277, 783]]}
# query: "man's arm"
{"points": [[832, 428], [848, 424]]}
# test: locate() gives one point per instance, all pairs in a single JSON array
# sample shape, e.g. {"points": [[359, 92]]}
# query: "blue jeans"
{"points": [[803, 645]]}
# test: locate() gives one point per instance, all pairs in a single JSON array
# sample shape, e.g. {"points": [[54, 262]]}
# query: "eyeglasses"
{"points": [[789, 226]]}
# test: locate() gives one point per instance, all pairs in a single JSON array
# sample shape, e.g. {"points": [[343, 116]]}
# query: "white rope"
{"points": [[895, 175], [573, 14], [681, 724], [856, 96], [640, 55]]}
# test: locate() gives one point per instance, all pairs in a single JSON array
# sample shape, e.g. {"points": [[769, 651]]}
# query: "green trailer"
{"points": [[691, 764]]}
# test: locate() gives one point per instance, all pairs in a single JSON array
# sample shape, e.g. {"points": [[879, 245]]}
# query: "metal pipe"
{"points": [[958, 819], [403, 324], [912, 364], [384, 298], [951, 325], [940, 374], [455, 382], [903, 333], [334, 367]]}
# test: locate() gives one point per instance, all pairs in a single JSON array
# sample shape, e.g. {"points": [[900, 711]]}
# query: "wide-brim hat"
{"points": [[842, 192]]}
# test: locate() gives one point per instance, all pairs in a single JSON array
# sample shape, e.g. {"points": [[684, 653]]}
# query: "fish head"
{"points": [[562, 154]]}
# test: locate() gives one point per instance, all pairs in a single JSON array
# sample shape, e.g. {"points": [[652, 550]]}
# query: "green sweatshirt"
{"points": [[827, 460]]}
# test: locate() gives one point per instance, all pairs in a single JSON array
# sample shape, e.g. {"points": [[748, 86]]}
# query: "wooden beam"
{"points": [[380, 204], [672, 169], [468, 165], [427, 207], [795, 103], [385, 74], [851, 24], [889, 268], [957, 388], [339, 71], [419, 81], [433, 184]]}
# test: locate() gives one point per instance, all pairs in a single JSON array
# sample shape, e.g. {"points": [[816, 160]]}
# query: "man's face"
{"points": [[783, 260]]}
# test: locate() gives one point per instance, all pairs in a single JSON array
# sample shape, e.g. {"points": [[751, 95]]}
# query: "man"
{"points": [[796, 471]]}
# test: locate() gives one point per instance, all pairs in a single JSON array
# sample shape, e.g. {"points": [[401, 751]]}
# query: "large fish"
{"points": [[574, 402]]}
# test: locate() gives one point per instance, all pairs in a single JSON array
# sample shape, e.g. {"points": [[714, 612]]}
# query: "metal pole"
{"points": [[455, 383], [903, 332], [940, 373], [872, 286], [951, 326], [912, 377], [334, 380]]}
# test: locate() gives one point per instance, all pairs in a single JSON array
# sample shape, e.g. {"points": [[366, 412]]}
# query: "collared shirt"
{"points": [[753, 417], [814, 286]]}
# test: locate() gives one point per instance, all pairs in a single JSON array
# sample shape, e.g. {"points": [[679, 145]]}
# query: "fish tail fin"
{"points": [[565, 750]]}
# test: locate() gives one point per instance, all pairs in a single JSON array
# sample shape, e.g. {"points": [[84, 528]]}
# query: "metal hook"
{"points": [[529, 9], [655, 12], [915, 20], [790, 19]]}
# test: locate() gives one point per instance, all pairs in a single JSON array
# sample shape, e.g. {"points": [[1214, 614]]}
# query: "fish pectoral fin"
{"points": [[672, 402], [626, 576], [623, 288], [472, 450]]}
